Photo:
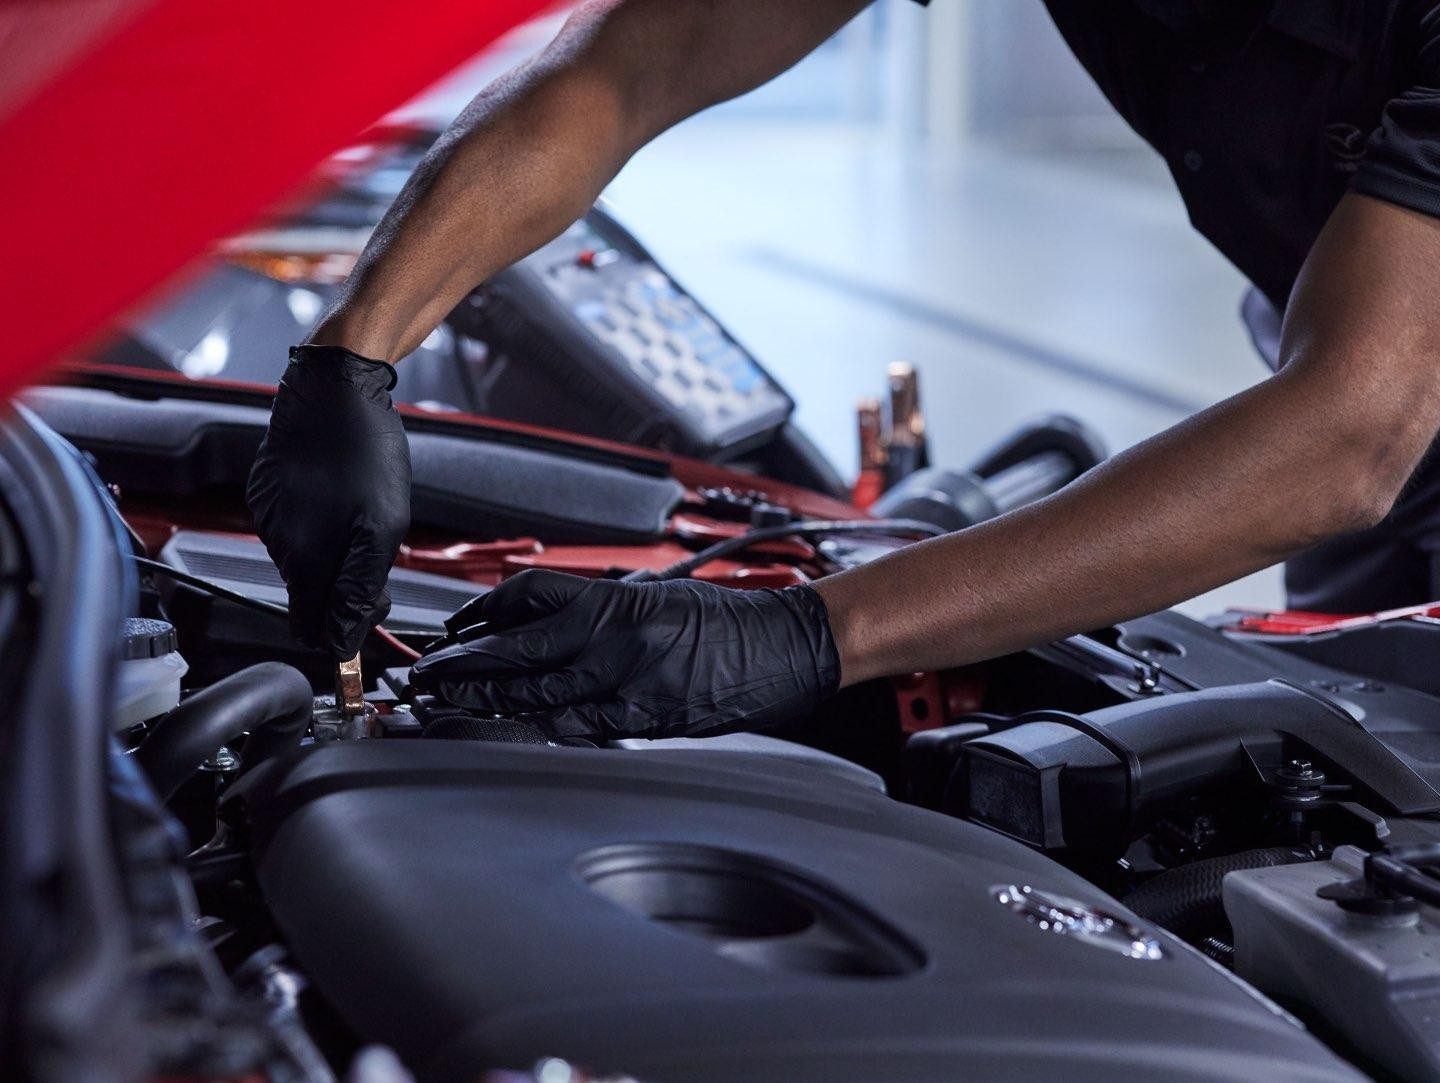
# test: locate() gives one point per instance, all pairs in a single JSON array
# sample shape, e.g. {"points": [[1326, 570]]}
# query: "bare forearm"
{"points": [[532, 152], [523, 161], [1225, 494], [1323, 448], [1139, 533]]}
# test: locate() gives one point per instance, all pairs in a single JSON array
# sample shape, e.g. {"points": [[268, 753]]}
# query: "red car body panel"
{"points": [[137, 132]]}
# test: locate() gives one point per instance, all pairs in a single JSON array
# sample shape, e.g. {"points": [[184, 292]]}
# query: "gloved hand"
{"points": [[330, 492], [598, 657]]}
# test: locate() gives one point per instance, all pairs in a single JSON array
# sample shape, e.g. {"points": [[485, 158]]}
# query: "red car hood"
{"points": [[137, 132]]}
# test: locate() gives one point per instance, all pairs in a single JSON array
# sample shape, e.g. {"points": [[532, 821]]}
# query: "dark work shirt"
{"points": [[1268, 111]]}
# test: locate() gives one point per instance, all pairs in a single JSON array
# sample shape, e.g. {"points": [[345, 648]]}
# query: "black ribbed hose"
{"points": [[271, 701], [1187, 900]]}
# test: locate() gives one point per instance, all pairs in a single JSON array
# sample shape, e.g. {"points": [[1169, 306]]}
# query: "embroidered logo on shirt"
{"points": [[1346, 144]]}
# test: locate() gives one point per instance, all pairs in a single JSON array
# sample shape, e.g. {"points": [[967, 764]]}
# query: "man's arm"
{"points": [[533, 151], [1322, 448], [330, 488]]}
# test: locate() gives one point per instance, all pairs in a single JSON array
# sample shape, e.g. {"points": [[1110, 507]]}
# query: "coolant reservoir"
{"points": [[150, 671]]}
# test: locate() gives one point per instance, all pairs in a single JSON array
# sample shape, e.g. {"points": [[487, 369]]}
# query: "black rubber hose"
{"points": [[1187, 900], [271, 701]]}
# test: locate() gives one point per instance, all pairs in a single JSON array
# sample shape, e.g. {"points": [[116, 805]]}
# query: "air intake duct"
{"points": [[1090, 782]]}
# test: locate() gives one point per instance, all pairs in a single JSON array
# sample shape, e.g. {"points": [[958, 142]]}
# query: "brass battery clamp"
{"points": [[351, 717], [350, 687]]}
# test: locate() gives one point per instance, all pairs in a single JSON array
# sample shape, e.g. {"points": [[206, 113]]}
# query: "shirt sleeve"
{"points": [[1402, 158]]}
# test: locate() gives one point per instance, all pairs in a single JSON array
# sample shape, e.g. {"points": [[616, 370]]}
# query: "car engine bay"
{"points": [[914, 884], [1164, 846]]}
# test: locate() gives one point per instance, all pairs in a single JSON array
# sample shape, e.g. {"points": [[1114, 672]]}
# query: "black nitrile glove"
{"points": [[586, 657], [330, 492]]}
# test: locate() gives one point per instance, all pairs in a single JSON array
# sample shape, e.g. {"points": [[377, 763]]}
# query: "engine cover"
{"points": [[697, 917]]}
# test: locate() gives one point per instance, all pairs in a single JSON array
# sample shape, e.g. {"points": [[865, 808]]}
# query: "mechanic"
{"points": [[1304, 136]]}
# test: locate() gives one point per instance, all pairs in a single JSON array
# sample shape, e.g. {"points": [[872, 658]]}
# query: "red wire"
{"points": [[388, 638]]}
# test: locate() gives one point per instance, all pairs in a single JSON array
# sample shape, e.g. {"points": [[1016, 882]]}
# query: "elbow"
{"points": [[1361, 507], [1358, 495], [1355, 444]]}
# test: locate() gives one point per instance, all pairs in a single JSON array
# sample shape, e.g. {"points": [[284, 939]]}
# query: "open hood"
{"points": [[137, 132]]}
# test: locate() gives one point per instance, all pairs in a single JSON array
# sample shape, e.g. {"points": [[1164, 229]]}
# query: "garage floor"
{"points": [[1017, 284]]}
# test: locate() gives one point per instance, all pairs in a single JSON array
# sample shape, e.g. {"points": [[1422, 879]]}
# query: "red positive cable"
{"points": [[389, 639]]}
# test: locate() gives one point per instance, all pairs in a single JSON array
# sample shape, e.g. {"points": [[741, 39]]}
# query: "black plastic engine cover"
{"points": [[693, 917]]}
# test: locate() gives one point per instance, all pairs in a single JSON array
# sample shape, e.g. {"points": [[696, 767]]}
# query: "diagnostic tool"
{"points": [[597, 337]]}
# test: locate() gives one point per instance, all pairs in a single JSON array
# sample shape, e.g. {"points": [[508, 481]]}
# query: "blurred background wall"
{"points": [[943, 186]]}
